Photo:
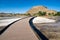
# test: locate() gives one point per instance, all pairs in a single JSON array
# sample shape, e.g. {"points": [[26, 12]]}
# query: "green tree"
{"points": [[57, 14], [28, 14], [44, 13], [41, 13], [49, 14]]}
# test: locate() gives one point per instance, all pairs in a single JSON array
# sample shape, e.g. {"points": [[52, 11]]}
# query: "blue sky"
{"points": [[22, 6]]}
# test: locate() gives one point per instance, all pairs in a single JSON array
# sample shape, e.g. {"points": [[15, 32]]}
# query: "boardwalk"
{"points": [[20, 30]]}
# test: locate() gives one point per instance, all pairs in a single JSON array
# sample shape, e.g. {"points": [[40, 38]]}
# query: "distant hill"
{"points": [[5, 14], [12, 14], [8, 14], [36, 9]]}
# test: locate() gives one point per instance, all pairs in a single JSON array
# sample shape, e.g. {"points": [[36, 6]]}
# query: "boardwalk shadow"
{"points": [[41, 35], [4, 29]]}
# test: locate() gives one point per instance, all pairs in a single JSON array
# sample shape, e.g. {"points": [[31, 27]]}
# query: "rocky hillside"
{"points": [[36, 9]]}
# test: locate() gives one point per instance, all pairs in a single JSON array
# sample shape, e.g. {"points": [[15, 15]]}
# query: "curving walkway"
{"points": [[20, 30]]}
